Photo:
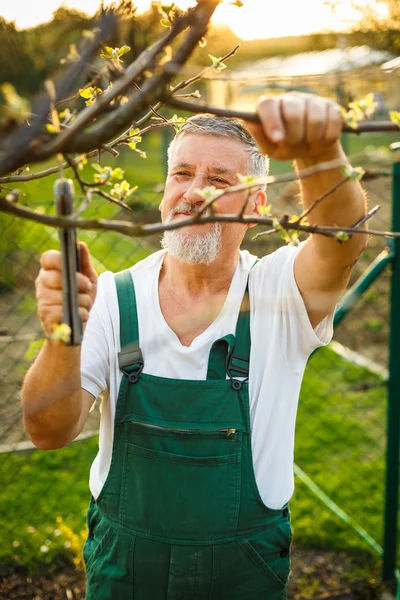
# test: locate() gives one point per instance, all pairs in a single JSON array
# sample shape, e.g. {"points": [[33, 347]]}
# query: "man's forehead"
{"points": [[217, 153]]}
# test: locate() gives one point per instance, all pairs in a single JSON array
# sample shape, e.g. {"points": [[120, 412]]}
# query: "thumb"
{"points": [[86, 264]]}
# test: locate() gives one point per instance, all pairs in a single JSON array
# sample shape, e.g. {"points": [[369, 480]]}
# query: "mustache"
{"points": [[186, 207]]}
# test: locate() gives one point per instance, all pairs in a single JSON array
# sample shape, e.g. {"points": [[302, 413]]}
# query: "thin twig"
{"points": [[262, 233], [367, 127], [322, 197]]}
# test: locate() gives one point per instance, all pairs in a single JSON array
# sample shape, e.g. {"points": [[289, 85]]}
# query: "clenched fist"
{"points": [[296, 125], [49, 290]]}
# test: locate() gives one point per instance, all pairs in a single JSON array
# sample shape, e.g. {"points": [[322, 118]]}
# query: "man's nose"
{"points": [[191, 194]]}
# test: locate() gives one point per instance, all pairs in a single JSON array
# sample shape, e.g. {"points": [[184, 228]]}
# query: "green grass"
{"points": [[340, 436]]}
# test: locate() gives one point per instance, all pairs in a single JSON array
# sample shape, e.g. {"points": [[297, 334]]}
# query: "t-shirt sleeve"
{"points": [[95, 364], [279, 308]]}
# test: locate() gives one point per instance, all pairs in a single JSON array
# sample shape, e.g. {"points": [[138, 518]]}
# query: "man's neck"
{"points": [[196, 280]]}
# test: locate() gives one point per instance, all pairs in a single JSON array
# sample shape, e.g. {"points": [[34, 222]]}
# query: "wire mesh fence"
{"points": [[340, 448]]}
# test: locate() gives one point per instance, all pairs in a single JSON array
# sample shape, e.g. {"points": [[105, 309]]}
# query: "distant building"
{"points": [[344, 74]]}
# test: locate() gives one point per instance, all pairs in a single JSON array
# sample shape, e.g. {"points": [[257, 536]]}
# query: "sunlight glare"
{"points": [[256, 19]]}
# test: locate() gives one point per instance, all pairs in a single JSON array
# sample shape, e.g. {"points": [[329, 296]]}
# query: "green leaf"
{"points": [[165, 22], [97, 167], [246, 178], [17, 108], [133, 131], [72, 56], [106, 52], [264, 211], [50, 128], [342, 236], [61, 333], [217, 63], [123, 50], [208, 193], [395, 117], [117, 173], [353, 173], [33, 349]]}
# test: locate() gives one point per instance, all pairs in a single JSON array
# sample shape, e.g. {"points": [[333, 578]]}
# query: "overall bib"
{"points": [[180, 516]]}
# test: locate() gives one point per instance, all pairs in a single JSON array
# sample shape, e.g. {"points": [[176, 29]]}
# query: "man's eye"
{"points": [[184, 173], [220, 181]]}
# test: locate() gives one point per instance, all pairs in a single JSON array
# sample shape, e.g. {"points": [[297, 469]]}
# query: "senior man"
{"points": [[199, 351]]}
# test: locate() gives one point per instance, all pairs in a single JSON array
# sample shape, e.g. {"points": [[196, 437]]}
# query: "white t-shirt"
{"points": [[282, 339]]}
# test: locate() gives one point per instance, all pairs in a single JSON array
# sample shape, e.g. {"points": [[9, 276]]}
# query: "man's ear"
{"points": [[260, 199]]}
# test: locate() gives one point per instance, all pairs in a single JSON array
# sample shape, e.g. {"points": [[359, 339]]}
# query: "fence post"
{"points": [[393, 410]]}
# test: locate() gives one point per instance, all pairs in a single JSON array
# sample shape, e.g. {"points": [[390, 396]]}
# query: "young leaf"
{"points": [[72, 56], [353, 173], [165, 22], [208, 193], [33, 349], [106, 52], [51, 129], [342, 236], [123, 50], [395, 117], [117, 173], [16, 108], [264, 211], [217, 63], [61, 333]]}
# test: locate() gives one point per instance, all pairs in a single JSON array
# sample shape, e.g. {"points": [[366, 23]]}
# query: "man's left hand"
{"points": [[297, 125]]}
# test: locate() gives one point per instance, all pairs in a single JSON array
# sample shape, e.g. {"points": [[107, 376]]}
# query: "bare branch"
{"points": [[306, 212], [363, 127], [137, 230], [19, 148]]}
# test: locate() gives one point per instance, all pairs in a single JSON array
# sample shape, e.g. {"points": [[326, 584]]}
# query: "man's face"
{"points": [[204, 160]]}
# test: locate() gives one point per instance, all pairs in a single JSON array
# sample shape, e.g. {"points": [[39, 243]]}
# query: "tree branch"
{"points": [[363, 127]]}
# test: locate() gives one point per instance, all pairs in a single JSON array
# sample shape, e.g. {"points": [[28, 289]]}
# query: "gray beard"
{"points": [[190, 248]]}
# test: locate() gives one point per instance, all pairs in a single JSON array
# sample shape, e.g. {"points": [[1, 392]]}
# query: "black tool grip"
{"points": [[64, 199]]}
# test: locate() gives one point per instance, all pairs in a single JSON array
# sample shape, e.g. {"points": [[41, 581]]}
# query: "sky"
{"points": [[256, 19]]}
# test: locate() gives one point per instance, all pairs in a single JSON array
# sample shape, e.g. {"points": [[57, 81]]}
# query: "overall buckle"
{"points": [[235, 363], [131, 363]]}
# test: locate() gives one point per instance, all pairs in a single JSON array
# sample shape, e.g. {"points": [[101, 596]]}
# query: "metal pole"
{"points": [[393, 410]]}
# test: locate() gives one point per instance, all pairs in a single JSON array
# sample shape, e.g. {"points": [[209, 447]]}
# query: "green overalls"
{"points": [[180, 516]]}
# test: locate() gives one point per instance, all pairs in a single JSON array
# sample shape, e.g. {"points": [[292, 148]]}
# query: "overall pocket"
{"points": [[181, 496], [270, 551]]}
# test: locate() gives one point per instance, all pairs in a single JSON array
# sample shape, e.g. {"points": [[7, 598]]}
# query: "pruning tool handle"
{"points": [[64, 200]]}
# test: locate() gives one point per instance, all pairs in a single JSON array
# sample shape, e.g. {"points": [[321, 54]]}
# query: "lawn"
{"points": [[339, 445]]}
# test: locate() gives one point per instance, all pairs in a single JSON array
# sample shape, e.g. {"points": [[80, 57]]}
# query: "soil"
{"points": [[315, 574]]}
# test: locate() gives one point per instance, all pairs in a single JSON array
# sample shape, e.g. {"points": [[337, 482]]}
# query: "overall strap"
{"points": [[130, 358], [230, 355], [239, 358]]}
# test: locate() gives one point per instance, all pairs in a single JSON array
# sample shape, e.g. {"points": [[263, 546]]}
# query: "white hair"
{"points": [[207, 124]]}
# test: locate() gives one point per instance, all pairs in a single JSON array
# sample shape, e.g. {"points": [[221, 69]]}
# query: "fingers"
{"points": [[334, 123], [269, 111], [52, 280], [49, 288], [316, 114], [294, 116], [296, 120], [86, 263]]}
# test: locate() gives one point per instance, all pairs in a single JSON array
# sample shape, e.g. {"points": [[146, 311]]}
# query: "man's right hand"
{"points": [[49, 290]]}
